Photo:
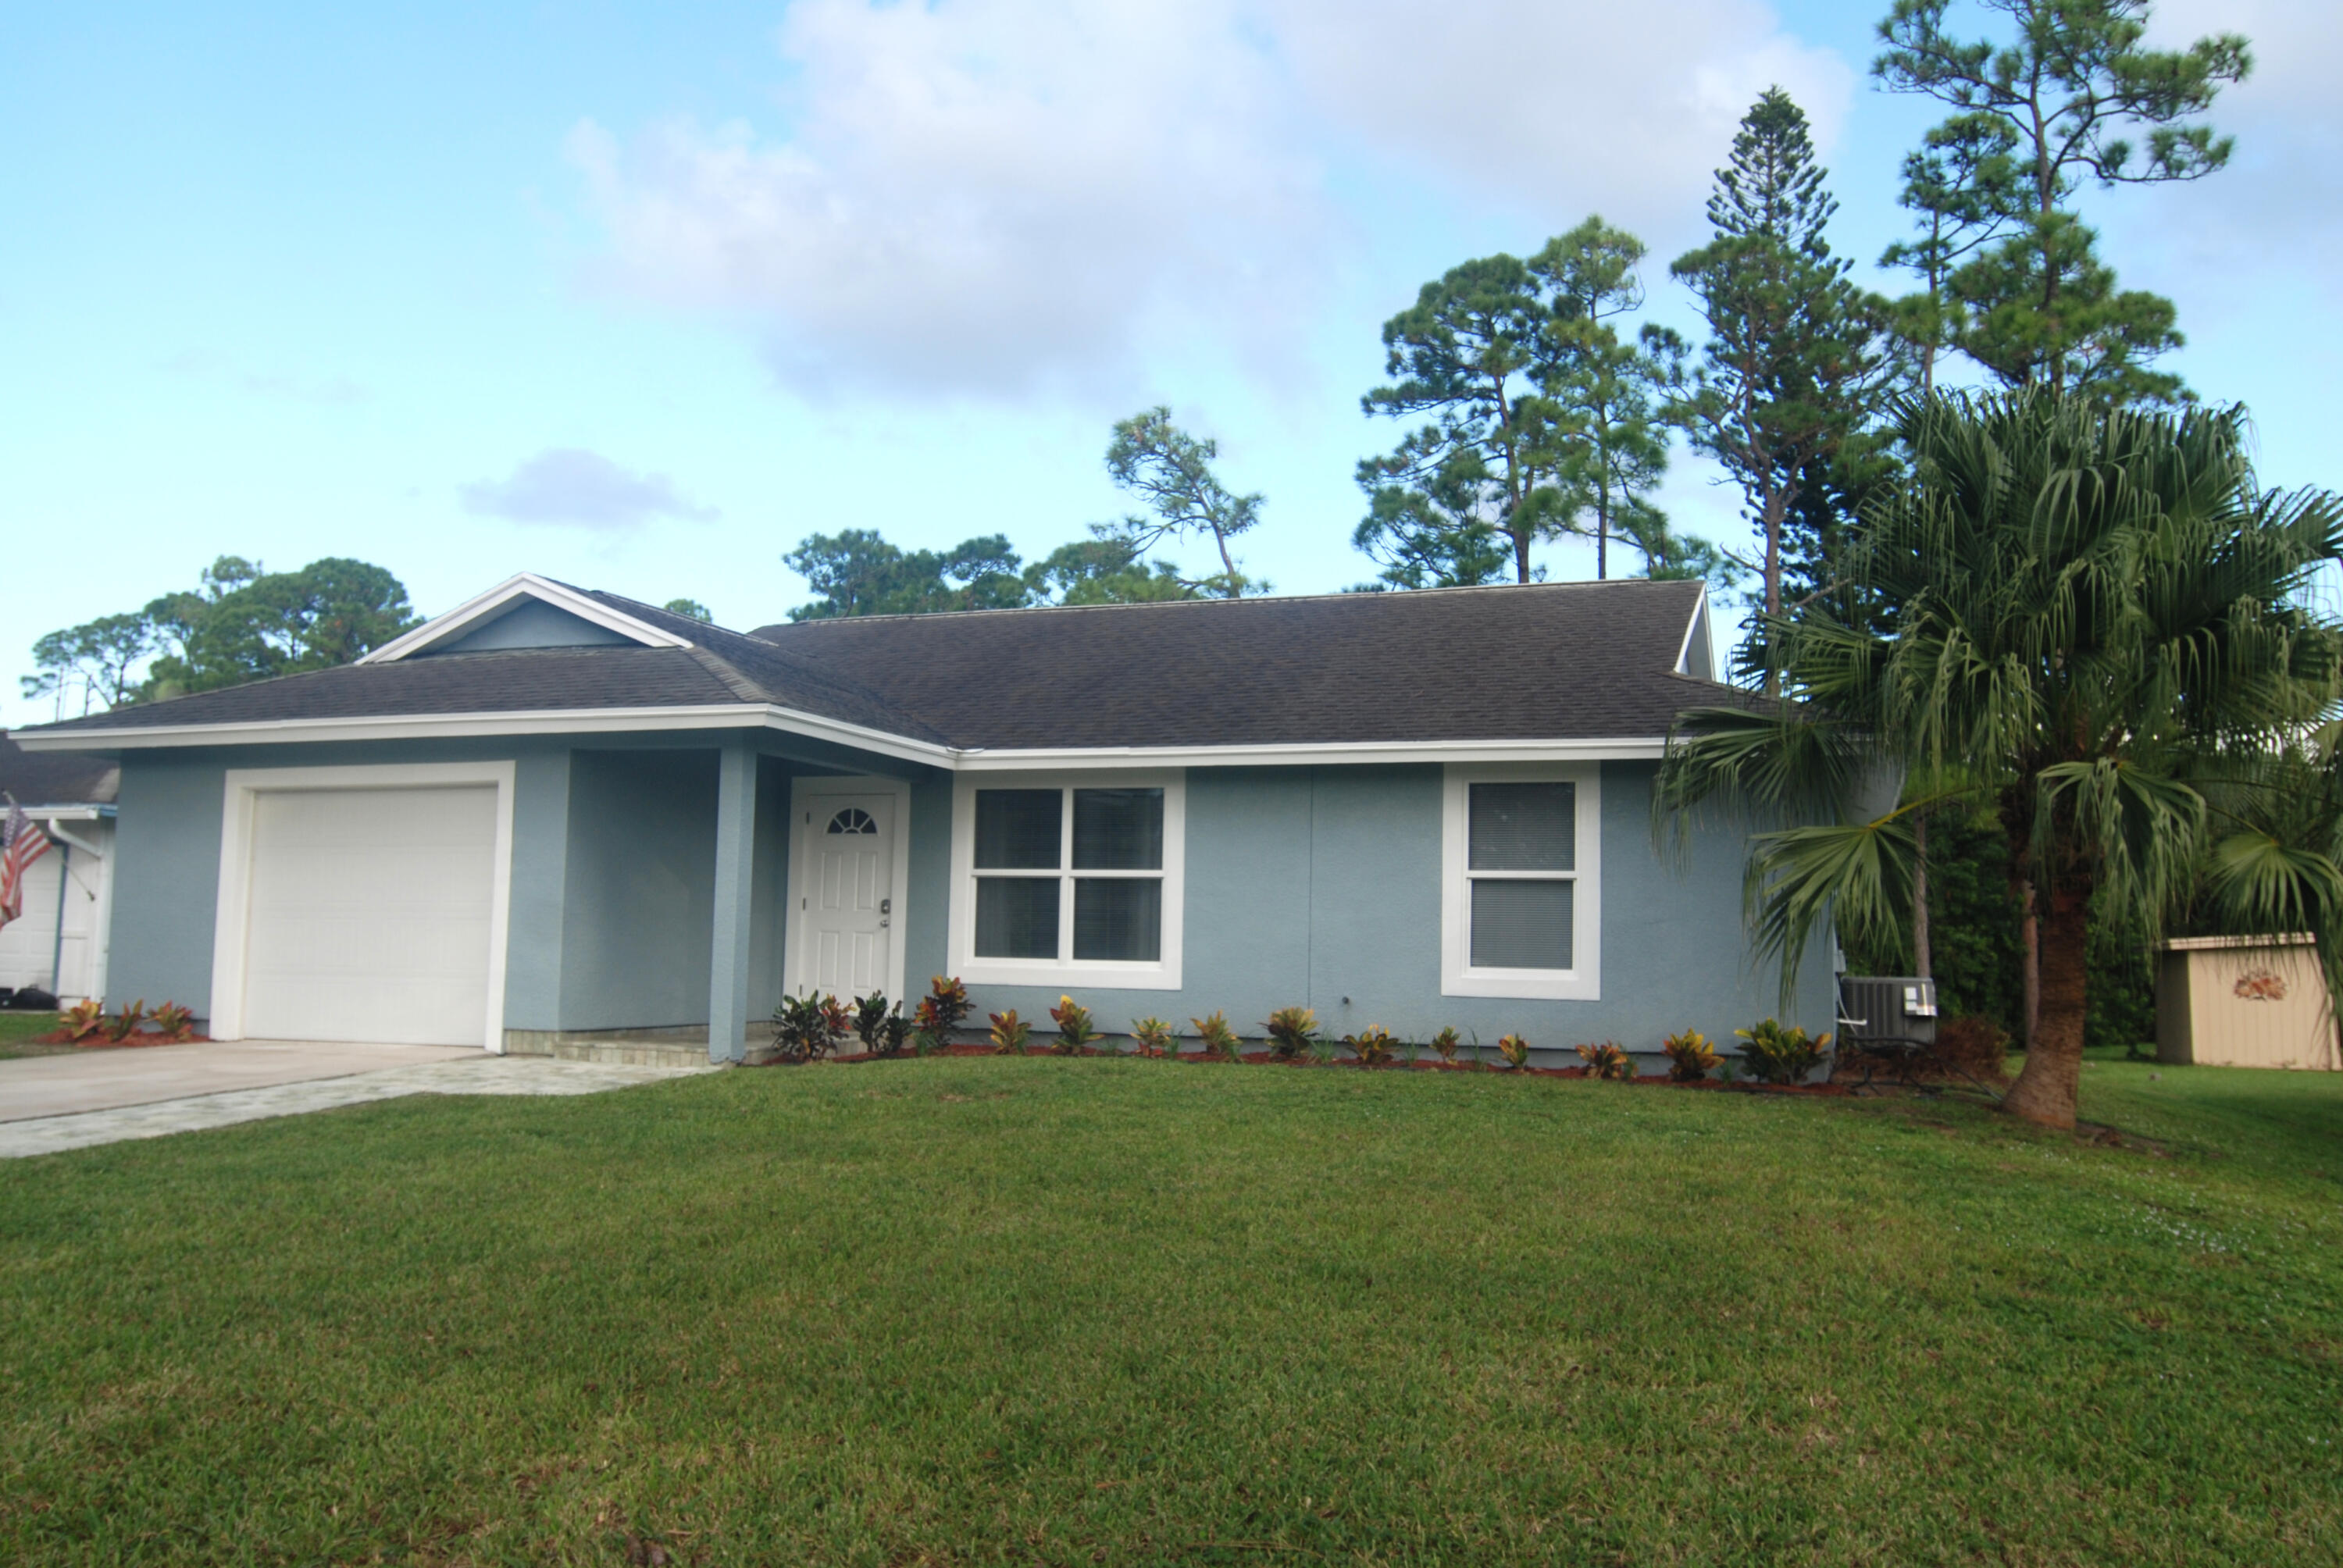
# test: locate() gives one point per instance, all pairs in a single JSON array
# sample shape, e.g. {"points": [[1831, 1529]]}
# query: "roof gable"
{"points": [[527, 611]]}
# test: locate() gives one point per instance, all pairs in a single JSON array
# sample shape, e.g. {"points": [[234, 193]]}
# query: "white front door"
{"points": [[846, 880]]}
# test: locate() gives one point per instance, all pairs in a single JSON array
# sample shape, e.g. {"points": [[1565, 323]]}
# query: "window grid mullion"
{"points": [[1066, 878]]}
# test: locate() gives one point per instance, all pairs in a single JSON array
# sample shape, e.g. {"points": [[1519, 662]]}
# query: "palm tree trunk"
{"points": [[2046, 1090], [1921, 957], [2029, 965]]}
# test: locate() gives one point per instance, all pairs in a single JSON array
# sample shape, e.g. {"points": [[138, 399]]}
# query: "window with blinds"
{"points": [[1522, 864], [1520, 881]]}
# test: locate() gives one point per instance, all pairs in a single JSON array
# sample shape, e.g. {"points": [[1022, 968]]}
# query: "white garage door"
{"points": [[370, 914]]}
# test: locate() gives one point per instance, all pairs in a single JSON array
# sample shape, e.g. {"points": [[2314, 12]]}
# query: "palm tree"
{"points": [[2095, 622]]}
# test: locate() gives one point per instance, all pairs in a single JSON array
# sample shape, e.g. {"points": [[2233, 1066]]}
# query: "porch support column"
{"points": [[735, 850]]}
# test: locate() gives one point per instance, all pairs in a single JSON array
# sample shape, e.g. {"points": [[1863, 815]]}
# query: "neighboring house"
{"points": [[59, 944], [552, 812]]}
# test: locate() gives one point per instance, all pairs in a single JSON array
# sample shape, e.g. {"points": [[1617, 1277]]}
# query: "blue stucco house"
{"points": [[552, 816]]}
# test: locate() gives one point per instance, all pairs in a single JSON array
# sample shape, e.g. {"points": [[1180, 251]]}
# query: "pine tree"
{"points": [[1602, 392], [2039, 117], [1481, 470], [1795, 369]]}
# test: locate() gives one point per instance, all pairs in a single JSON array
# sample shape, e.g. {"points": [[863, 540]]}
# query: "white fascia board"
{"points": [[1621, 749], [1684, 648], [420, 726], [84, 813], [487, 607], [469, 726], [813, 726]]}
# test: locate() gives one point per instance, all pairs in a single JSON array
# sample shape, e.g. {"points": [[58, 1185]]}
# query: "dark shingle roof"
{"points": [[48, 778], [1542, 661]]}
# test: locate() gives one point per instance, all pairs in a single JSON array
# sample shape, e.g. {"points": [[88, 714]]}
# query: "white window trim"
{"points": [[806, 789], [233, 924], [1161, 975], [1457, 976]]}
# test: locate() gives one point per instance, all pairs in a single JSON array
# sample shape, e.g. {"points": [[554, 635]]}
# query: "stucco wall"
{"points": [[620, 938], [1304, 886], [166, 838], [1321, 888], [637, 908]]}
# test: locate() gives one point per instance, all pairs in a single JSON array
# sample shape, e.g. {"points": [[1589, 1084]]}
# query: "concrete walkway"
{"points": [[241, 1081]]}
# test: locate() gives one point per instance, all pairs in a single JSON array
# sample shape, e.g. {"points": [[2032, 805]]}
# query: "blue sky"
{"points": [[639, 296]]}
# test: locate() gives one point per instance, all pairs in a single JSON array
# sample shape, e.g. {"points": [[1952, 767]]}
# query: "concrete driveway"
{"points": [[104, 1080], [50, 1103]]}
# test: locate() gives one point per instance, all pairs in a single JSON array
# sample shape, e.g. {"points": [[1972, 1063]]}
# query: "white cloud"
{"points": [[319, 392], [1563, 107], [989, 195], [2281, 197], [570, 486]]}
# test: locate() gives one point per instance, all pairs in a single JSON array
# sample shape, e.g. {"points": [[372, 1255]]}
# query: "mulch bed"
{"points": [[1267, 1059], [100, 1042]]}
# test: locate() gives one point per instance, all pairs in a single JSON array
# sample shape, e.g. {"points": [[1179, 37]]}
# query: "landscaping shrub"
{"points": [[1009, 1032], [1154, 1036], [1220, 1040], [176, 1022], [806, 1028], [1371, 1045], [1074, 1029], [126, 1023], [1514, 1050], [882, 1029], [1608, 1060], [1977, 1046], [1446, 1043], [82, 1019], [941, 1011], [1780, 1053], [1691, 1058], [1292, 1030]]}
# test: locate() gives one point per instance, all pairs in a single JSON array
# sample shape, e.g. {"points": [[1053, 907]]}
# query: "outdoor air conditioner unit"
{"points": [[1885, 1008]]}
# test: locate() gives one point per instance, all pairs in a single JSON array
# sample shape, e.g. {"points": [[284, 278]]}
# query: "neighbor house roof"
{"points": [[1548, 663], [63, 779]]}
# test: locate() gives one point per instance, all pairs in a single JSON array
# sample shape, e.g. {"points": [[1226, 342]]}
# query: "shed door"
{"points": [[370, 915]]}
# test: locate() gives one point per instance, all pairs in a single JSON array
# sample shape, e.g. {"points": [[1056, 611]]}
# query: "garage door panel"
{"points": [[370, 915]]}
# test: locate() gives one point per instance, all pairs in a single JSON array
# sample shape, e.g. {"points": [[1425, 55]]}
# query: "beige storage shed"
{"points": [[2243, 1001]]}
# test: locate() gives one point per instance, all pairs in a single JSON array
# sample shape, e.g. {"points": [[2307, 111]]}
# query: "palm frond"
{"points": [[1856, 875]]}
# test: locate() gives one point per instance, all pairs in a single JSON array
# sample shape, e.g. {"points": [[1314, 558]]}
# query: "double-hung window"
{"points": [[1520, 891], [1061, 880]]}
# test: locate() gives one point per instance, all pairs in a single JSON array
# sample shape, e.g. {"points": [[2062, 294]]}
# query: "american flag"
{"points": [[21, 842]]}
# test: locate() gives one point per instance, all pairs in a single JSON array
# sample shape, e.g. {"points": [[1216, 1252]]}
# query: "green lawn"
{"points": [[16, 1028], [1076, 1311]]}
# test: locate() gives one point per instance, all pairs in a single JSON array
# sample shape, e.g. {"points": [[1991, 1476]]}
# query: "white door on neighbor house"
{"points": [[845, 915], [369, 915]]}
